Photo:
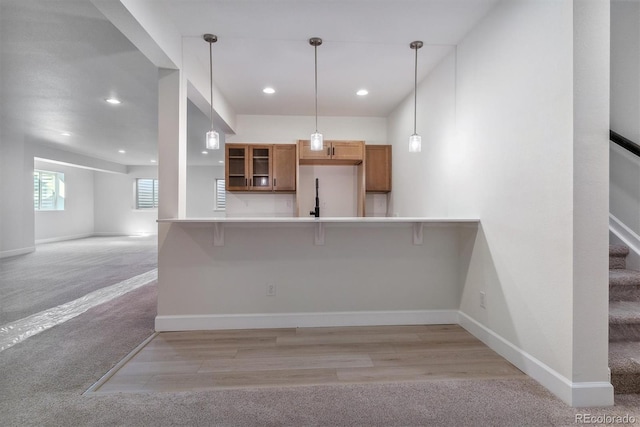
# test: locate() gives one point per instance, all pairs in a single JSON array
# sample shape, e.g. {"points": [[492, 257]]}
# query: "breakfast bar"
{"points": [[229, 273]]}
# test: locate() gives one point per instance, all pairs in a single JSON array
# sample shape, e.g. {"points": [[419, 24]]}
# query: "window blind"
{"points": [[146, 193], [221, 195]]}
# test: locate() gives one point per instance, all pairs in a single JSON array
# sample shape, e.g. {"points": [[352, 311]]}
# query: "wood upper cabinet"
{"points": [[378, 168], [284, 167], [347, 150], [334, 152], [307, 154], [259, 167], [236, 167]]}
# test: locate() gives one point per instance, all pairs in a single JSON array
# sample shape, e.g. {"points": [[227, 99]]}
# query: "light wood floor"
{"points": [[205, 360]]}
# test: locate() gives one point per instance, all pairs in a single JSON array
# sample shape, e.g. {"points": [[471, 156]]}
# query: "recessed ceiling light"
{"points": [[121, 151], [269, 90], [362, 92], [65, 134], [205, 152], [220, 161], [152, 160], [114, 101]]}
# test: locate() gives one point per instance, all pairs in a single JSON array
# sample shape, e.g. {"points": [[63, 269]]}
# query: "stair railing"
{"points": [[625, 143]]}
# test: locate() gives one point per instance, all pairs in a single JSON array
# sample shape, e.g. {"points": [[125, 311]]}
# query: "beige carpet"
{"points": [[43, 378]]}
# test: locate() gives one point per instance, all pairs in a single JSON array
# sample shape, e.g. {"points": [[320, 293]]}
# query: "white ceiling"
{"points": [[365, 45], [61, 58]]}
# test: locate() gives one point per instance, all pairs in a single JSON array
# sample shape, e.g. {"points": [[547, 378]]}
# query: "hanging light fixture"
{"points": [[212, 140], [316, 137], [415, 140]]}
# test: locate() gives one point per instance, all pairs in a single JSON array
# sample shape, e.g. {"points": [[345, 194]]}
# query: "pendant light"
{"points": [[212, 140], [316, 137], [415, 140]]}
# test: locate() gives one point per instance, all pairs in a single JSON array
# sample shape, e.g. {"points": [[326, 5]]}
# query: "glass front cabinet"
{"points": [[254, 167]]}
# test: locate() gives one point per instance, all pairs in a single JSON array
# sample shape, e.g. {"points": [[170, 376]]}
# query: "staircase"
{"points": [[624, 323]]}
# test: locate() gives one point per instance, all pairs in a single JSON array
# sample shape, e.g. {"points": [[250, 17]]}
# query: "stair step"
{"points": [[624, 362], [624, 321], [624, 285], [617, 256]]}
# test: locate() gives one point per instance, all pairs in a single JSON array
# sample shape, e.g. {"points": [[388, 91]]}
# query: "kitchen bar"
{"points": [[228, 273]]}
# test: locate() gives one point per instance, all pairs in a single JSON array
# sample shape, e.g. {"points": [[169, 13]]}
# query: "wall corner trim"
{"points": [[576, 394]]}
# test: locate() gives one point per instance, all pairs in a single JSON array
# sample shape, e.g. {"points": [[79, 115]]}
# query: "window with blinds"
{"points": [[146, 193], [48, 191], [221, 195]]}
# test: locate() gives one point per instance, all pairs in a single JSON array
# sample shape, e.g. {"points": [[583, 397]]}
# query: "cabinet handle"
{"points": [[245, 182], [274, 182], [328, 151], [333, 151]]}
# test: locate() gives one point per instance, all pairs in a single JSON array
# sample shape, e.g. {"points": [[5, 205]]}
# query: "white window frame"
{"points": [[220, 196], [154, 195], [58, 191]]}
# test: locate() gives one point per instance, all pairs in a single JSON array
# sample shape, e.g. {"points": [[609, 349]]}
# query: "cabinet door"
{"points": [[307, 154], [236, 167], [378, 168], [260, 166], [284, 167], [347, 150]]}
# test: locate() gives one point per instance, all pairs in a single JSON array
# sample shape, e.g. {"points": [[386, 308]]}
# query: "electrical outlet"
{"points": [[271, 289], [483, 300]]}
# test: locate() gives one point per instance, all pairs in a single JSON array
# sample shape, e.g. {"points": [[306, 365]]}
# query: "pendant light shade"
{"points": [[415, 143], [212, 139], [316, 141], [316, 137], [415, 140]]}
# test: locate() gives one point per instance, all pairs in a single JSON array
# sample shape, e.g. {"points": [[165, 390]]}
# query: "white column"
{"points": [[591, 34], [172, 143]]}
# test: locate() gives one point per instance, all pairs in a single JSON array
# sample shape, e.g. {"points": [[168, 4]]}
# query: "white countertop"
{"points": [[312, 220]]}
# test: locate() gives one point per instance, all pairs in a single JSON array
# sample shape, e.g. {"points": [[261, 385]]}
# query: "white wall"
{"points": [[201, 182], [115, 211], [17, 234], [340, 201], [625, 68], [625, 187], [360, 272], [515, 115], [625, 112], [510, 155], [422, 182], [76, 220]]}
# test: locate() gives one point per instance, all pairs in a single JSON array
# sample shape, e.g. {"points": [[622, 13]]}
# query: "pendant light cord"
{"points": [[415, 93], [315, 50], [211, 80]]}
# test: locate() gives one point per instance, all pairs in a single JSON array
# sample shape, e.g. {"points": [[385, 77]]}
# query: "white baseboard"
{"points": [[16, 252], [582, 394], [119, 233], [304, 320], [64, 238]]}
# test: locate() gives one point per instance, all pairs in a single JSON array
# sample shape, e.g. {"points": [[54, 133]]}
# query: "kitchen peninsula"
{"points": [[228, 273]]}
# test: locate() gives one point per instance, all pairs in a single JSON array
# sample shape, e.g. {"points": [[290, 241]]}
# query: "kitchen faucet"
{"points": [[316, 211]]}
